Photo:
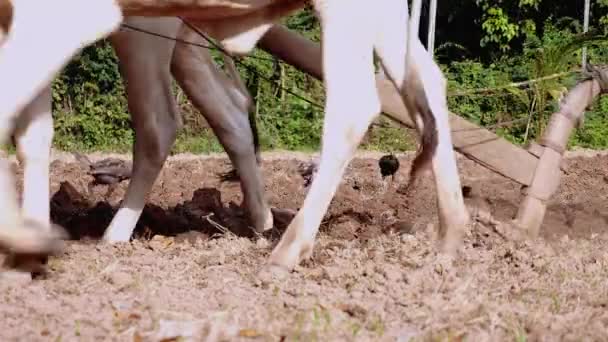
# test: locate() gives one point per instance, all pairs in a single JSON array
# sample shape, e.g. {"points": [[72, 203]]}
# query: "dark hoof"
{"points": [[282, 216], [33, 264]]}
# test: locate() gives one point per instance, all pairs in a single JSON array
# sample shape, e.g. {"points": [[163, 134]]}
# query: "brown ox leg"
{"points": [[145, 64], [226, 109]]}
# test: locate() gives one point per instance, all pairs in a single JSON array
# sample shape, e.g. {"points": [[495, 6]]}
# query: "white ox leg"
{"points": [[145, 62], [351, 104], [424, 79], [24, 75], [34, 138]]}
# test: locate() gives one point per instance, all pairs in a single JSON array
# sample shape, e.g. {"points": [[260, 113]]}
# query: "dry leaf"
{"points": [[249, 333], [125, 315], [134, 316], [137, 337], [160, 242]]}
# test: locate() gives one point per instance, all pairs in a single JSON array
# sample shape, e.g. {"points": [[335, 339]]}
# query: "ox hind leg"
{"points": [[225, 106], [145, 65], [34, 138], [424, 92], [351, 104]]}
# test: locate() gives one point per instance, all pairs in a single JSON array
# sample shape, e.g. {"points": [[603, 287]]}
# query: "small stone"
{"points": [[121, 279], [393, 274], [262, 243], [408, 238], [356, 294], [331, 273]]}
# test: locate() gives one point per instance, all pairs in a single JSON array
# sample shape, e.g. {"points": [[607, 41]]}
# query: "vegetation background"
{"points": [[479, 44]]}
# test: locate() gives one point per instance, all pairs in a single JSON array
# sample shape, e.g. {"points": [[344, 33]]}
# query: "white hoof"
{"points": [[117, 235]]}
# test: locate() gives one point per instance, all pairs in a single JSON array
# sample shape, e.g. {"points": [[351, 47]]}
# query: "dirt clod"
{"points": [[120, 279]]}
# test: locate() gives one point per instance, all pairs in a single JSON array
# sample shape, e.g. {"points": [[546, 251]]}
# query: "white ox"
{"points": [[352, 30]]}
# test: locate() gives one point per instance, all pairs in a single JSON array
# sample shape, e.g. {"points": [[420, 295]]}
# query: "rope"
{"points": [[496, 125], [215, 46], [513, 85], [184, 41], [598, 74], [246, 66]]}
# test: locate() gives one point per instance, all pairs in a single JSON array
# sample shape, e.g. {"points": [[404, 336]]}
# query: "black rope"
{"points": [[237, 61], [185, 41], [597, 73], [593, 72]]}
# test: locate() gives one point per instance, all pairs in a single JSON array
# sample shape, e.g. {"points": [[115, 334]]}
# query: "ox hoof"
{"points": [[450, 246], [112, 236], [28, 265], [271, 273], [283, 216], [268, 222], [32, 239]]}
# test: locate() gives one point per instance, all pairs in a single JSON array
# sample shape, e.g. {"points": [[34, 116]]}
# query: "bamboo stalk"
{"points": [[553, 143]]}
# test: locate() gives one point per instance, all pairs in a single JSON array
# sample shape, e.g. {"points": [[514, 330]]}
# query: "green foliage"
{"points": [[89, 106], [495, 44], [500, 26], [526, 109]]}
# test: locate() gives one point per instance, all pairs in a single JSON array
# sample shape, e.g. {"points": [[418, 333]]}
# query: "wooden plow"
{"points": [[537, 168]]}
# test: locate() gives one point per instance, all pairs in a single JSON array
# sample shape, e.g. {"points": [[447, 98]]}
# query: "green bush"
{"points": [[89, 104], [90, 107]]}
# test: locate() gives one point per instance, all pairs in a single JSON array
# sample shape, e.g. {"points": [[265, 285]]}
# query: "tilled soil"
{"points": [[190, 272]]}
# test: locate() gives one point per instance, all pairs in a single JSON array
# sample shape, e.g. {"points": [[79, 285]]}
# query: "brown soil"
{"points": [[374, 275]]}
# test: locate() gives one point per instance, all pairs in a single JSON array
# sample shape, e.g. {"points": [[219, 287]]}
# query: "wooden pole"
{"points": [[430, 42], [554, 141], [476, 143], [585, 29]]}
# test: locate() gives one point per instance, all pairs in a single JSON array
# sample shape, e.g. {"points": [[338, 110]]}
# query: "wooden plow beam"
{"points": [[538, 168], [478, 144]]}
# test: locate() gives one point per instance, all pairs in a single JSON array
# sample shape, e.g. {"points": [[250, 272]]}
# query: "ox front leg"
{"points": [[424, 90], [352, 102], [225, 108], [34, 138], [25, 74], [145, 64]]}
